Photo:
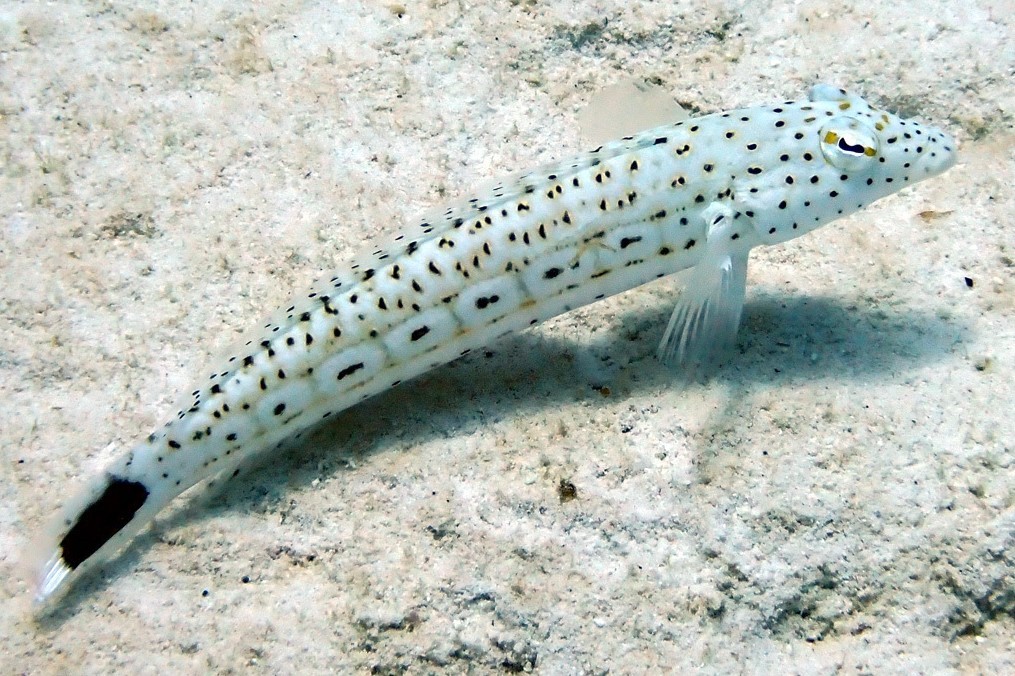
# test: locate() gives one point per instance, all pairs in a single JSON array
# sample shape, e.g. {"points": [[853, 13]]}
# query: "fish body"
{"points": [[696, 195]]}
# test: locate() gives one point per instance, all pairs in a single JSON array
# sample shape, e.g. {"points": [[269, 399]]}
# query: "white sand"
{"points": [[838, 498]]}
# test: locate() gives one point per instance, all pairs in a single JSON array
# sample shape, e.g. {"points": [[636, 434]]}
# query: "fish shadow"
{"points": [[782, 340]]}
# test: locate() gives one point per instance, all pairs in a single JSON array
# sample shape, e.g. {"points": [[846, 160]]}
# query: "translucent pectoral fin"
{"points": [[703, 326]]}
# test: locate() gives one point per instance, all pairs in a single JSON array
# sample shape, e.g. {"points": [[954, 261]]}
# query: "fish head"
{"points": [[838, 154]]}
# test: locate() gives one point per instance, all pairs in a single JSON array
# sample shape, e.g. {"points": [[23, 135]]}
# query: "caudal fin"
{"points": [[88, 530]]}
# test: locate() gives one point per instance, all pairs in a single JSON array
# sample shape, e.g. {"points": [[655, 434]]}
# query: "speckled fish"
{"points": [[697, 195]]}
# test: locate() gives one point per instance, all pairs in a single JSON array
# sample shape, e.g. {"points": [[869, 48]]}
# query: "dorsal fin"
{"points": [[626, 108]]}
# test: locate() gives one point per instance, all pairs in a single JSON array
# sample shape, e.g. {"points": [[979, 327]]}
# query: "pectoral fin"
{"points": [[704, 322]]}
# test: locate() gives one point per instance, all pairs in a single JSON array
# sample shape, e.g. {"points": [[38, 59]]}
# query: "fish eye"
{"points": [[848, 144]]}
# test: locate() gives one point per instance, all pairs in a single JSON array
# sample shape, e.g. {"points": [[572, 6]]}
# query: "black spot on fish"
{"points": [[101, 520], [349, 370], [483, 302]]}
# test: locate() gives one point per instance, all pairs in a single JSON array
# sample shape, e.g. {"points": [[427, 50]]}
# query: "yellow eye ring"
{"points": [[847, 143]]}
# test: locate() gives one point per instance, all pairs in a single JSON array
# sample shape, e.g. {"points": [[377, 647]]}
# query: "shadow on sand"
{"points": [[782, 340]]}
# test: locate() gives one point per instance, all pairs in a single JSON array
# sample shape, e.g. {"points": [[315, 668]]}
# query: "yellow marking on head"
{"points": [[869, 152], [844, 105], [879, 126], [831, 138]]}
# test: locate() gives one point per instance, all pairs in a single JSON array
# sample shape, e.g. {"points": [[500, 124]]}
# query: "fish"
{"points": [[693, 196]]}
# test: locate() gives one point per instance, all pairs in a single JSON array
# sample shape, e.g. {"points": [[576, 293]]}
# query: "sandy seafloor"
{"points": [[837, 498]]}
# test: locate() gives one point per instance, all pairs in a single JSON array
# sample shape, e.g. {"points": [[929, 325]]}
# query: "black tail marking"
{"points": [[102, 520]]}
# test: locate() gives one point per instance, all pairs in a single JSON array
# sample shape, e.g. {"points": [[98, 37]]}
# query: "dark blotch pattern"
{"points": [[101, 520]]}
